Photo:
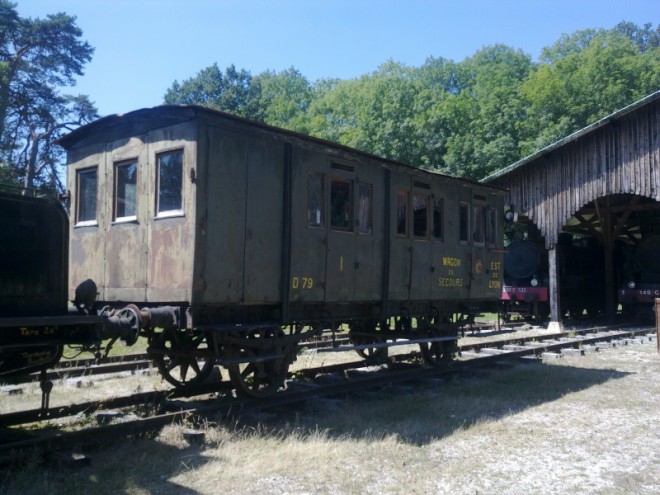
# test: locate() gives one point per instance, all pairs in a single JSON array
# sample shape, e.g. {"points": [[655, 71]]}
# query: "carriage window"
{"points": [[402, 214], [364, 208], [87, 191], [478, 224], [125, 190], [491, 226], [170, 182], [341, 204], [315, 200], [421, 216], [438, 220], [463, 221]]}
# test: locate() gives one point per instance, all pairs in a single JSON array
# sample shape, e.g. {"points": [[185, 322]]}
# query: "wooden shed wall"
{"points": [[621, 156]]}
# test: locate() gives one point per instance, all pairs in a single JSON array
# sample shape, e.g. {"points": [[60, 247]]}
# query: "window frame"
{"points": [[346, 204], [80, 172], [434, 235], [369, 214], [478, 225], [115, 200], [405, 194], [464, 223], [170, 212], [320, 224], [426, 202]]}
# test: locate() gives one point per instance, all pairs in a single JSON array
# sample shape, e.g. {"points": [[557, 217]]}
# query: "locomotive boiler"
{"points": [[525, 288]]}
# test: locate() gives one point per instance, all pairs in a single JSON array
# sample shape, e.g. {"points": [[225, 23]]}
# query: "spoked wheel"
{"points": [[371, 353], [182, 358], [438, 353], [375, 353], [265, 365]]}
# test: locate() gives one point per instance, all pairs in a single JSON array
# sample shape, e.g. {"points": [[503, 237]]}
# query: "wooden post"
{"points": [[610, 291], [554, 290]]}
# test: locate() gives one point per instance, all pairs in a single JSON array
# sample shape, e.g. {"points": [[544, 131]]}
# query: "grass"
{"points": [[575, 425]]}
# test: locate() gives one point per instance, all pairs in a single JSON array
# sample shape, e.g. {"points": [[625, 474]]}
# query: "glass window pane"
{"points": [[402, 214], [463, 223], [125, 190], [420, 216], [438, 221], [87, 194], [491, 226], [341, 202], [478, 224], [364, 213], [315, 200], [170, 181]]}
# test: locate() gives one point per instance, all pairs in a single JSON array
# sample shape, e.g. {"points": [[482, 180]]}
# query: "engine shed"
{"points": [[601, 183]]}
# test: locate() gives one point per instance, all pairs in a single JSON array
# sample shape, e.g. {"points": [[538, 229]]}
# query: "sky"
{"points": [[143, 46]]}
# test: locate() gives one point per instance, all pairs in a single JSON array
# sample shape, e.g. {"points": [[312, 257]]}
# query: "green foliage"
{"points": [[586, 76], [284, 98], [36, 57], [229, 91], [468, 118]]}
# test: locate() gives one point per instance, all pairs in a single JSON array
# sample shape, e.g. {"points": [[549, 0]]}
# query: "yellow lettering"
{"points": [[302, 283], [453, 262], [450, 282]]}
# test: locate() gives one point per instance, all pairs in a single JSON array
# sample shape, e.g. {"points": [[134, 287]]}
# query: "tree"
{"points": [[284, 98], [586, 76], [38, 123], [375, 113], [229, 91], [482, 118], [38, 56]]}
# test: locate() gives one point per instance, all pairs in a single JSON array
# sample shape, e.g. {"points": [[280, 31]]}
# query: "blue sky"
{"points": [[143, 46]]}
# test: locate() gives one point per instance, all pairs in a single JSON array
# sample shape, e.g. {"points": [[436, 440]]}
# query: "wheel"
{"points": [[266, 364], [371, 353], [367, 353], [183, 359], [437, 353]]}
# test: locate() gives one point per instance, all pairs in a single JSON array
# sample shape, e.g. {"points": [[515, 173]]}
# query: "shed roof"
{"points": [[575, 136]]}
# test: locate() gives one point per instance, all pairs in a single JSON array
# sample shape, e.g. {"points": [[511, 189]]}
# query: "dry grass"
{"points": [[586, 425]]}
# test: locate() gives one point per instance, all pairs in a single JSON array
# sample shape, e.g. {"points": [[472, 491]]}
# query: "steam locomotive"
{"points": [[581, 278], [525, 287], [641, 273]]}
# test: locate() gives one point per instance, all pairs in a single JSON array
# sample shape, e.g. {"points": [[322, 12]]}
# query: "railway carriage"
{"points": [[237, 240]]}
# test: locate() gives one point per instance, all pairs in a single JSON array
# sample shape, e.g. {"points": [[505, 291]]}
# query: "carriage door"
{"points": [[421, 279], [126, 239], [308, 227], [370, 233], [341, 260], [400, 232], [478, 268]]}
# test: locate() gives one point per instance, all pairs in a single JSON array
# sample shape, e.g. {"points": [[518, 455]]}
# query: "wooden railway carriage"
{"points": [[238, 239]]}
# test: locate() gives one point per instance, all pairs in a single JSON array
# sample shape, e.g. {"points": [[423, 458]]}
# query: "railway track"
{"points": [[215, 401]]}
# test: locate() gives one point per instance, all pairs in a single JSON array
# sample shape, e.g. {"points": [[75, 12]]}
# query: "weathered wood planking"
{"points": [[617, 155]]}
